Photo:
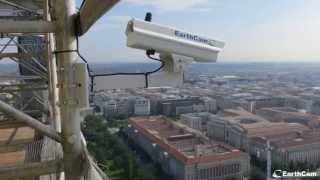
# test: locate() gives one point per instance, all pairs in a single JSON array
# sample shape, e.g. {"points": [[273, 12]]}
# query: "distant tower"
{"points": [[268, 161]]}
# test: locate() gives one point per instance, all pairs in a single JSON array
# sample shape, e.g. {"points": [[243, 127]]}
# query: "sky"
{"points": [[253, 30]]}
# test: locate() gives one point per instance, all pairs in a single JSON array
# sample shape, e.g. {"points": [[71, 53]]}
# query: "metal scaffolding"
{"points": [[40, 114]]}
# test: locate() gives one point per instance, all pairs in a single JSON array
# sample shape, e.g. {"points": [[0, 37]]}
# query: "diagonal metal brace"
{"points": [[30, 121]]}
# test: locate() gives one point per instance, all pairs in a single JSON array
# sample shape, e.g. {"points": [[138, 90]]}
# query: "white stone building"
{"points": [[142, 107]]}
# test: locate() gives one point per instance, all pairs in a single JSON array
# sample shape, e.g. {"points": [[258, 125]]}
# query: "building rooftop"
{"points": [[291, 140], [291, 112], [241, 116], [255, 125], [269, 128], [182, 142]]}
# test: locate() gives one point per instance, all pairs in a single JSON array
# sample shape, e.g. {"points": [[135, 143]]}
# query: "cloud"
{"points": [[290, 34], [172, 5]]}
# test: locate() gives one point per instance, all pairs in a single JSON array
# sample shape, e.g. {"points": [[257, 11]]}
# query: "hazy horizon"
{"points": [[4, 62]]}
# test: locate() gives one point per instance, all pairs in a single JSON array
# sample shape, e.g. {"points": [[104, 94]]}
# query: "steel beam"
{"points": [[12, 135], [31, 68], [12, 148], [11, 124], [15, 142], [6, 45], [30, 121], [15, 55], [31, 169], [19, 77], [19, 89], [18, 6], [40, 26], [91, 11], [33, 58]]}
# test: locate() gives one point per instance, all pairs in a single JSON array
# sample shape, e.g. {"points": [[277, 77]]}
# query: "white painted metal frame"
{"points": [[62, 78]]}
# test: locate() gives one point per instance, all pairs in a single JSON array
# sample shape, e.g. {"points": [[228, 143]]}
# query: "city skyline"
{"points": [[114, 115]]}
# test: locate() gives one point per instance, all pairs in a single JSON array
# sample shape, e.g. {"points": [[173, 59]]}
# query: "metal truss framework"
{"points": [[42, 95], [27, 96]]}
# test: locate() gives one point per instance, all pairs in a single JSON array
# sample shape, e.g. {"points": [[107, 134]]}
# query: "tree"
{"points": [[256, 174], [112, 155]]}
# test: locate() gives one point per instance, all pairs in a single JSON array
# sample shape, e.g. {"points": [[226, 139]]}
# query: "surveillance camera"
{"points": [[146, 35], [176, 48]]}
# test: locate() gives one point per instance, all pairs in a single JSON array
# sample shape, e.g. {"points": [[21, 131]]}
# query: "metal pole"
{"points": [[52, 71], [26, 26], [65, 42], [18, 6], [53, 81]]}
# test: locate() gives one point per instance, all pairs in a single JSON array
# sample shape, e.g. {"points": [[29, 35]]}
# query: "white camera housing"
{"points": [[177, 49], [165, 40]]}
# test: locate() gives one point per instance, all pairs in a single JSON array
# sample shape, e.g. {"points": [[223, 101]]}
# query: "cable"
{"points": [[92, 75], [158, 69], [64, 51], [146, 74], [82, 58], [82, 4], [141, 73]]}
